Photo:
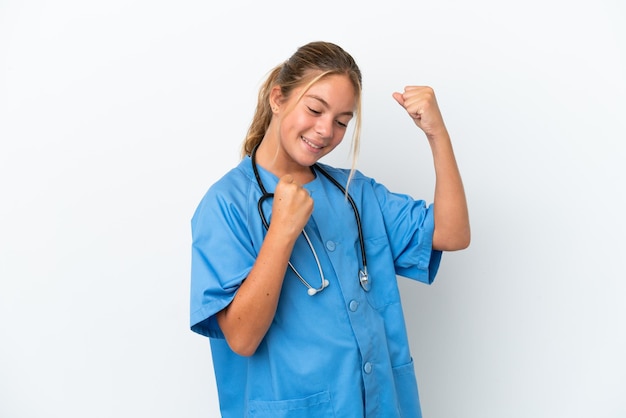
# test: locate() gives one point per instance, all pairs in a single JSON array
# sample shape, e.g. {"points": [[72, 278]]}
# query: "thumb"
{"points": [[287, 178], [399, 98]]}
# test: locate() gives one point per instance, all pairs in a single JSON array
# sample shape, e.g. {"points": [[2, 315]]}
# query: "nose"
{"points": [[324, 127]]}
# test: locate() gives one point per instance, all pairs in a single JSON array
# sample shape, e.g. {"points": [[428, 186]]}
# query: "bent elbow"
{"points": [[242, 347], [463, 241], [241, 341], [244, 351], [461, 244], [455, 242]]}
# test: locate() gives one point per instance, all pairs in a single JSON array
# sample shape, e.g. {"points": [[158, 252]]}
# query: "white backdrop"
{"points": [[115, 117]]}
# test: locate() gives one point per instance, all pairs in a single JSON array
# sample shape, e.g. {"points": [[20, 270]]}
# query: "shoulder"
{"points": [[230, 191], [358, 183], [236, 182], [366, 188], [342, 175]]}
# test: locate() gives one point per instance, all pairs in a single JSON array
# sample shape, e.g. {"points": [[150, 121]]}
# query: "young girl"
{"points": [[294, 262]]}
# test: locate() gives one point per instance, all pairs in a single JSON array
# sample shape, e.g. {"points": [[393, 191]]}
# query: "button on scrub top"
{"points": [[343, 352]]}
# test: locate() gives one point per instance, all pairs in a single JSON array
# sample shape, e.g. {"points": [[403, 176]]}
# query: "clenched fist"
{"points": [[292, 207], [421, 104]]}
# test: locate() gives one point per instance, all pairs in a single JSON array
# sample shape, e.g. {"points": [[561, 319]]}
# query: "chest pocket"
{"points": [[384, 290], [314, 406]]}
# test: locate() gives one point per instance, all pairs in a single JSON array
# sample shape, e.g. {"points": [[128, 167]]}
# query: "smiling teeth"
{"points": [[310, 143]]}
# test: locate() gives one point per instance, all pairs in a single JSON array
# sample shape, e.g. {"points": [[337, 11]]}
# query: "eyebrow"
{"points": [[325, 103]]}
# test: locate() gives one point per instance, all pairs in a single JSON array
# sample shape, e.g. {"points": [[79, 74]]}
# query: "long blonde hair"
{"points": [[306, 66]]}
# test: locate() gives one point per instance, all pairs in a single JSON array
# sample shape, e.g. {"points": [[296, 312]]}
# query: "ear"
{"points": [[276, 99]]}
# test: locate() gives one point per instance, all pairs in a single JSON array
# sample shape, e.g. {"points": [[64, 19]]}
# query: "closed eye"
{"points": [[318, 113], [315, 112]]}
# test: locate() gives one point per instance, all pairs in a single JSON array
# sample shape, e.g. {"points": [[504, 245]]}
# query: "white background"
{"points": [[115, 117]]}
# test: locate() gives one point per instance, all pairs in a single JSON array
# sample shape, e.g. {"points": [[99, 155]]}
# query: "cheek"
{"points": [[294, 124], [338, 137]]}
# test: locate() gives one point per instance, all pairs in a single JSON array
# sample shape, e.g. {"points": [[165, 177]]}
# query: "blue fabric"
{"points": [[343, 352]]}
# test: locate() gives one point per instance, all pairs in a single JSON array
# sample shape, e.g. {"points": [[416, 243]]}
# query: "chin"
{"points": [[311, 160]]}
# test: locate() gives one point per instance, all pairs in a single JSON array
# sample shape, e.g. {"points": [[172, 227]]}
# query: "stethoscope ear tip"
{"points": [[312, 292]]}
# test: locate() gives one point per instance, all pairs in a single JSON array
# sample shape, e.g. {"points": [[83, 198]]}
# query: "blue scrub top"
{"points": [[341, 353]]}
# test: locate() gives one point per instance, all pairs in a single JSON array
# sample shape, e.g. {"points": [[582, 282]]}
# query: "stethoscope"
{"points": [[363, 276]]}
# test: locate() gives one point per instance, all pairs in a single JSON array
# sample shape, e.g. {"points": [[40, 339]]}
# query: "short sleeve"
{"points": [[410, 226], [222, 253]]}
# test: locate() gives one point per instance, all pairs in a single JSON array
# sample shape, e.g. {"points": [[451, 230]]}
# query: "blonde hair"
{"points": [[309, 64]]}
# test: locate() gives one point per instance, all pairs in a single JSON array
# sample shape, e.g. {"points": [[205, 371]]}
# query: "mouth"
{"points": [[311, 144]]}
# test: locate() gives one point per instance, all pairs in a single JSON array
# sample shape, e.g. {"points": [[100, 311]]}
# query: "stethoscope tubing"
{"points": [[363, 275]]}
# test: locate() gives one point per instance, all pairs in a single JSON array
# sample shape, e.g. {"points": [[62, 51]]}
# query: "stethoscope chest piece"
{"points": [[364, 280]]}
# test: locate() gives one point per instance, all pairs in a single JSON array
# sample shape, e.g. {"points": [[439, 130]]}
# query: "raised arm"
{"points": [[452, 229]]}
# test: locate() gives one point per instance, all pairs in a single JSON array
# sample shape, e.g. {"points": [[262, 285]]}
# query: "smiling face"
{"points": [[308, 126]]}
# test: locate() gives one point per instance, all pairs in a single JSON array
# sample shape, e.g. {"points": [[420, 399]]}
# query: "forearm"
{"points": [[247, 318], [452, 229]]}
